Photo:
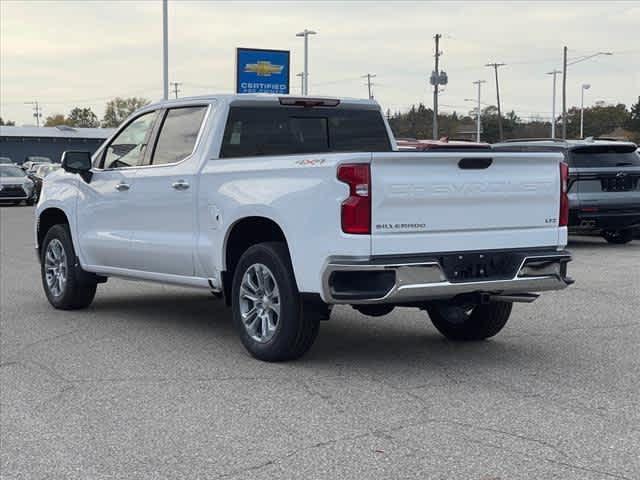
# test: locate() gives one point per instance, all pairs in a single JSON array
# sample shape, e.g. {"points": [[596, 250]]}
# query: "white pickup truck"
{"points": [[286, 206]]}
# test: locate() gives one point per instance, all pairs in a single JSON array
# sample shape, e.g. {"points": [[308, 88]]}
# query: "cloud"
{"points": [[66, 52]]}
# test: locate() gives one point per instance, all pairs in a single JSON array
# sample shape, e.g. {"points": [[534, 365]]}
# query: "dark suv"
{"points": [[604, 184]]}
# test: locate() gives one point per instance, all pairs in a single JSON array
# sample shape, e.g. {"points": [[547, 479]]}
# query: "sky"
{"points": [[69, 53]]}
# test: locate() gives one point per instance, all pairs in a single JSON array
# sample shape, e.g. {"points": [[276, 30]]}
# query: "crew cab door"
{"points": [[164, 216], [104, 224]]}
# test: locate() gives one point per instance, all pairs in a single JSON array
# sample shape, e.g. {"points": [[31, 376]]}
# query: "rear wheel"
{"points": [[267, 308], [618, 237], [66, 285], [469, 322]]}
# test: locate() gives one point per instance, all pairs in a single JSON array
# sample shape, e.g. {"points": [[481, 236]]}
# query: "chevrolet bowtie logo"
{"points": [[263, 68]]}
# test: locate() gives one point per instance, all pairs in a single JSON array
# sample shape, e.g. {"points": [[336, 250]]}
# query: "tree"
{"points": [[118, 109], [598, 120], [8, 123], [55, 120], [83, 118]]}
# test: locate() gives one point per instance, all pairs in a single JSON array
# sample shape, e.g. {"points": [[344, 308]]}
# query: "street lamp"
{"points": [[305, 34], [553, 106], [564, 83], [301, 75], [585, 86], [479, 83]]}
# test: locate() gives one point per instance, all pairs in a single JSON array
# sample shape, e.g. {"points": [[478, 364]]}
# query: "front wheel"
{"points": [[267, 308], [618, 237], [66, 285], [469, 322]]}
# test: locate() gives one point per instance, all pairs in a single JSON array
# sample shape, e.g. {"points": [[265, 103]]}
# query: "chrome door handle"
{"points": [[180, 185], [123, 187]]}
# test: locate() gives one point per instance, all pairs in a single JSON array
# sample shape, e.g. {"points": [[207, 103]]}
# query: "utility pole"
{"points": [[564, 94], [435, 80], [305, 33], [479, 83], [301, 75], [585, 86], [165, 51], [495, 68], [553, 106], [175, 88], [369, 76], [37, 111]]}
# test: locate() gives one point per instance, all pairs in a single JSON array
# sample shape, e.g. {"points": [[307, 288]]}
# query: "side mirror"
{"points": [[77, 162]]}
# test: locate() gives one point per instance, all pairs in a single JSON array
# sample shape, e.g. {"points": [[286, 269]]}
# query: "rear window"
{"points": [[604, 156], [256, 131]]}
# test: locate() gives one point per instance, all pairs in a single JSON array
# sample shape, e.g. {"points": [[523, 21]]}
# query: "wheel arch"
{"points": [[48, 218], [242, 234]]}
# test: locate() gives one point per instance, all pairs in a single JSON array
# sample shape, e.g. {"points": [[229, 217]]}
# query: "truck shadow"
{"points": [[403, 337]]}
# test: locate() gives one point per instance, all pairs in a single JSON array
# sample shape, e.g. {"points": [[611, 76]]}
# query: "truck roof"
{"points": [[264, 98], [560, 144]]}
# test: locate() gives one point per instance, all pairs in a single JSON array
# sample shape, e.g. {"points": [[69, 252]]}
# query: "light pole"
{"points": [[553, 106], [301, 75], [479, 83], [165, 51], [585, 86], [564, 83], [305, 34]]}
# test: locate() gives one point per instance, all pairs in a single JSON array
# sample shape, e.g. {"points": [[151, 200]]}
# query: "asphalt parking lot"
{"points": [[151, 382]]}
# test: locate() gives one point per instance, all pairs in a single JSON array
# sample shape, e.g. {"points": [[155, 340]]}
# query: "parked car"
{"points": [[38, 176], [287, 206], [15, 186], [604, 184], [444, 143], [32, 160], [6, 161]]}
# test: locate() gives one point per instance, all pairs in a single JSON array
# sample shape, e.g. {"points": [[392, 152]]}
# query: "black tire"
{"points": [[31, 201], [469, 323], [294, 332], [618, 237], [80, 287]]}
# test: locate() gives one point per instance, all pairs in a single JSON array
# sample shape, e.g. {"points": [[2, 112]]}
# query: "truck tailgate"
{"points": [[449, 202]]}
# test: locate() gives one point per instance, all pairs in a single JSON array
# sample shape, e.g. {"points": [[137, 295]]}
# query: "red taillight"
{"points": [[356, 210], [563, 219]]}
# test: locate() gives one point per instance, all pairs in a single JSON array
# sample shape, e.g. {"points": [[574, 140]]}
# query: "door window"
{"points": [[127, 149], [178, 134]]}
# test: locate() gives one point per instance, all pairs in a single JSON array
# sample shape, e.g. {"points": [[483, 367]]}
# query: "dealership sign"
{"points": [[262, 71]]}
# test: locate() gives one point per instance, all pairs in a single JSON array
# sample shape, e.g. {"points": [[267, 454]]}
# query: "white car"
{"points": [[15, 186], [287, 206]]}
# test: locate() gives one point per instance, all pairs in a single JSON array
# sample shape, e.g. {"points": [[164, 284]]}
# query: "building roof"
{"points": [[61, 131]]}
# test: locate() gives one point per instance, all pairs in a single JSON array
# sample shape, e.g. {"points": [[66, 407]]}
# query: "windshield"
{"points": [[603, 156], [11, 171], [5, 160]]}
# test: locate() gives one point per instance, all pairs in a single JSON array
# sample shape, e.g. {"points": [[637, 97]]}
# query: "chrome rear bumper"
{"points": [[425, 280]]}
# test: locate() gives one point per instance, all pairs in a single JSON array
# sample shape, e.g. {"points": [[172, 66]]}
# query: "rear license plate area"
{"points": [[480, 266], [619, 184]]}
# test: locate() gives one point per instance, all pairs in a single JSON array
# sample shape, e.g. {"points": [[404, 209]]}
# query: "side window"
{"points": [[127, 149], [178, 134]]}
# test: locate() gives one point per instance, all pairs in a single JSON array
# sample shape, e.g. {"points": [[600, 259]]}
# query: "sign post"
{"points": [[262, 71]]}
